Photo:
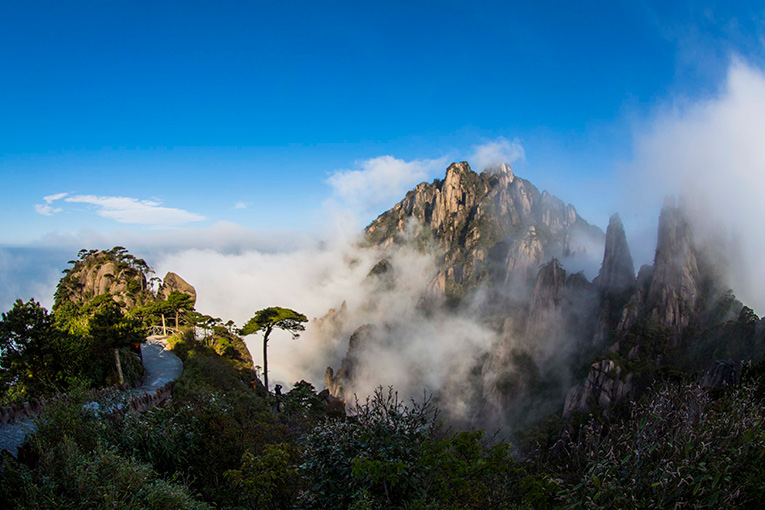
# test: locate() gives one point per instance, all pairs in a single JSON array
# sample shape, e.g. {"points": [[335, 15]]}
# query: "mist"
{"points": [[711, 153], [27, 273], [415, 348]]}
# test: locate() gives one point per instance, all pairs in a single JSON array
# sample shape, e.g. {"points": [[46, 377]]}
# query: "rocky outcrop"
{"points": [[174, 283], [501, 249], [101, 273], [489, 226], [544, 318], [606, 384], [336, 383], [614, 281], [331, 324], [672, 305], [631, 311], [617, 273], [723, 373], [524, 255], [333, 406], [117, 273], [538, 346]]}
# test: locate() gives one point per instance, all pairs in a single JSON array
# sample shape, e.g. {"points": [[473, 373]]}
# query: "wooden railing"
{"points": [[162, 331]]}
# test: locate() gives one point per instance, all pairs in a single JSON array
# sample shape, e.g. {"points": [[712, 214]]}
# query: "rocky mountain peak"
{"points": [[676, 283], [492, 225], [618, 271], [502, 172]]}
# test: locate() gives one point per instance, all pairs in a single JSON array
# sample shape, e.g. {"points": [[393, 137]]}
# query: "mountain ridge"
{"points": [[561, 343]]}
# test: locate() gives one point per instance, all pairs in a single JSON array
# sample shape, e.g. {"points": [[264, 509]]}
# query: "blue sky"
{"points": [[147, 119]]}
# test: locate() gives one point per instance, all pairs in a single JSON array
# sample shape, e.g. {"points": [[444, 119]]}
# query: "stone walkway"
{"points": [[162, 366]]}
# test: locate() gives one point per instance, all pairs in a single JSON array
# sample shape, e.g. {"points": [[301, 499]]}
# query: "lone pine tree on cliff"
{"points": [[266, 320]]}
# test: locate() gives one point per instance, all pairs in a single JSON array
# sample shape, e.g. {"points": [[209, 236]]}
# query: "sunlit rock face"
{"points": [[101, 273], [119, 274], [174, 283], [491, 225], [500, 248]]}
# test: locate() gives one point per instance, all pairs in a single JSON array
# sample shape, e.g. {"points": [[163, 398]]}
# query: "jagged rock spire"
{"points": [[675, 286], [618, 271]]}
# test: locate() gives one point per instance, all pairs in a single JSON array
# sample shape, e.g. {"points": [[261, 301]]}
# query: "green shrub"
{"points": [[373, 454], [388, 455], [68, 477], [77, 464], [679, 448], [269, 480]]}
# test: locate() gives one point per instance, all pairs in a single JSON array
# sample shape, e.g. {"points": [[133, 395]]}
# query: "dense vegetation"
{"points": [[43, 354]]}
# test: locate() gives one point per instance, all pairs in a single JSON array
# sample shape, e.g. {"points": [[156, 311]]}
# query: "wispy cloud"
{"points": [[51, 198], [48, 210], [140, 212], [123, 209], [240, 205], [500, 150]]}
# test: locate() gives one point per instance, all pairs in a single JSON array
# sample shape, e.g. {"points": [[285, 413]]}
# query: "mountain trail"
{"points": [[162, 366]]}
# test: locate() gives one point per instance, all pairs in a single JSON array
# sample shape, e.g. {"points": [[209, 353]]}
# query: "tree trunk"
{"points": [[176, 319], [265, 361], [164, 333], [119, 366]]}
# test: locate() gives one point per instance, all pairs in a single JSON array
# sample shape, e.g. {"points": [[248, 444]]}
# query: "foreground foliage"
{"points": [[683, 446], [73, 462], [42, 353], [390, 455], [224, 442]]}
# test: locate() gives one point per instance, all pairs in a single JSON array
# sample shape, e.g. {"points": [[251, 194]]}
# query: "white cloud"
{"points": [[500, 150], [712, 151], [47, 210], [58, 196], [381, 181], [131, 210], [240, 205]]}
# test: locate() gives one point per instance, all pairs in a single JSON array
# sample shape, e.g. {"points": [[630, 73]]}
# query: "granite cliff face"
{"points": [[335, 383], [675, 287], [102, 272], [491, 232]]}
